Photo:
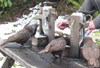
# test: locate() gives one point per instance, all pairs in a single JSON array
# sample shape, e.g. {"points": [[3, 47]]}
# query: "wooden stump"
{"points": [[51, 24], [7, 63], [74, 50]]}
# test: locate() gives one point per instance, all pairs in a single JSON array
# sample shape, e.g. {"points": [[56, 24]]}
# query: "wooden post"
{"points": [[7, 63], [74, 37], [51, 24], [40, 19], [41, 30]]}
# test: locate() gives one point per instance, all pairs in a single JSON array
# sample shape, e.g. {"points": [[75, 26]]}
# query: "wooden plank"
{"points": [[40, 16], [74, 37], [41, 30], [4, 63], [26, 57], [66, 63], [7, 62], [51, 23], [31, 59]]}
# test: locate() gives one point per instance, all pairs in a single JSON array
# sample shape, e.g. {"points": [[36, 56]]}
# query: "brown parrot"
{"points": [[23, 35], [56, 47], [91, 52]]}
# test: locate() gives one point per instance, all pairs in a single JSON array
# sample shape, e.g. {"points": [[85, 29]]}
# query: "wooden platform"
{"points": [[29, 58]]}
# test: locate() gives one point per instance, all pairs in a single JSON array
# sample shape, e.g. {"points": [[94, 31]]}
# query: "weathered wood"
{"points": [[41, 30], [66, 63], [40, 41], [74, 37], [4, 63], [7, 62], [30, 59], [40, 16], [3, 53], [26, 57], [51, 24]]}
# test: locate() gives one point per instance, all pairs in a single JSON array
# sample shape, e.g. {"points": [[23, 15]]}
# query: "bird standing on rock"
{"points": [[23, 35], [56, 47], [91, 53]]}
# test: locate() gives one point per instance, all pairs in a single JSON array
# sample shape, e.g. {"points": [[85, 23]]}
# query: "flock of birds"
{"points": [[57, 46]]}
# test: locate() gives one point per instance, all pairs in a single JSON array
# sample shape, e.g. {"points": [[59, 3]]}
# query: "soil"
{"points": [[18, 8]]}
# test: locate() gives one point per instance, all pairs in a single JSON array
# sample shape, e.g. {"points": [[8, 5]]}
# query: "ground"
{"points": [[16, 11], [19, 8]]}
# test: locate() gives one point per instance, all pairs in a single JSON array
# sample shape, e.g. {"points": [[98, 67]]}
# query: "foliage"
{"points": [[35, 18], [24, 0], [95, 35], [8, 3], [98, 42], [14, 65], [97, 31], [76, 3], [1, 58], [5, 3], [96, 13], [38, 1]]}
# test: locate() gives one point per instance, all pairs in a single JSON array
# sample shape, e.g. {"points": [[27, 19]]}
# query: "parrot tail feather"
{"points": [[43, 51]]}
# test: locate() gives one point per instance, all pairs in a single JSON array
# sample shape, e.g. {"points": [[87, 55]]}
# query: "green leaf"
{"points": [[1, 1], [35, 18], [96, 14], [5, 3], [15, 25], [75, 3], [98, 42], [96, 31], [81, 1], [2, 5], [9, 3], [1, 58], [13, 30], [15, 65]]}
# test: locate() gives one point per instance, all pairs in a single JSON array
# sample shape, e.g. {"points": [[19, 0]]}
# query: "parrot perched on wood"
{"points": [[23, 35], [56, 47], [91, 52]]}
